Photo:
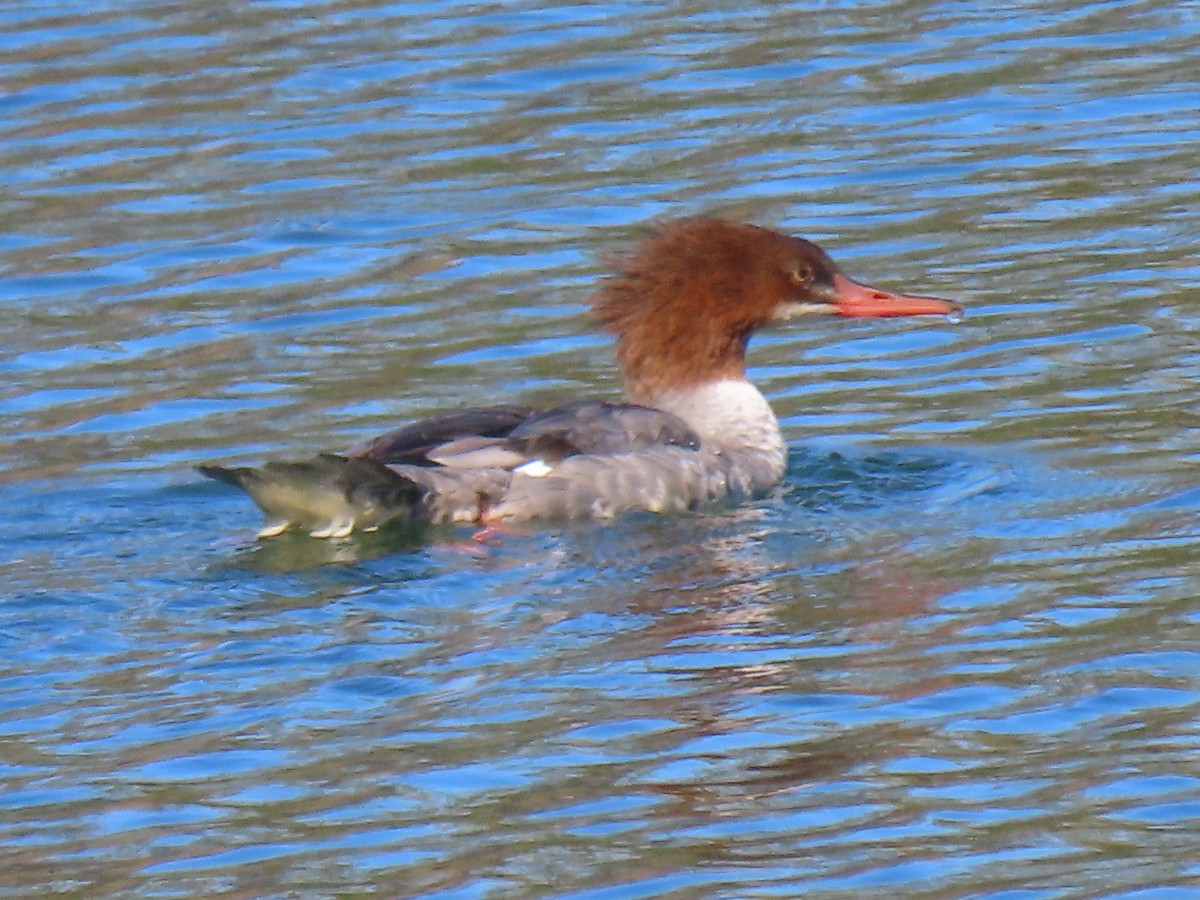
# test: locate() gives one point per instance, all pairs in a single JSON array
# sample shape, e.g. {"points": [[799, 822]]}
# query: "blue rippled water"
{"points": [[953, 655]]}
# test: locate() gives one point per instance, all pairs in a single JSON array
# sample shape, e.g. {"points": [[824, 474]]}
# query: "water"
{"points": [[954, 654]]}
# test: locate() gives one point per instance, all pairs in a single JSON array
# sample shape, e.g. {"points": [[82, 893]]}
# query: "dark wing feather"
{"points": [[411, 443], [597, 427], [518, 433]]}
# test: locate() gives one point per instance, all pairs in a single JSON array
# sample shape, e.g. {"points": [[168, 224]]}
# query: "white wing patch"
{"points": [[535, 468]]}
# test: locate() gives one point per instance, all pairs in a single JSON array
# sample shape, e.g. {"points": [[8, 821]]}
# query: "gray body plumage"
{"points": [[582, 460]]}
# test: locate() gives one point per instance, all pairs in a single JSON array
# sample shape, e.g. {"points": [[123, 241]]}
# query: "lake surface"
{"points": [[956, 653]]}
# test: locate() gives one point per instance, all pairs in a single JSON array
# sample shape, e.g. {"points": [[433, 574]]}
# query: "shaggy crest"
{"points": [[685, 302]]}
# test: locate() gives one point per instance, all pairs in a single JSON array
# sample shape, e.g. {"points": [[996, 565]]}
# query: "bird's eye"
{"points": [[802, 276]]}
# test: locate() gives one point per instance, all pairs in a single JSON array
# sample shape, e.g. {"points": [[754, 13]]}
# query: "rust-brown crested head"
{"points": [[684, 303]]}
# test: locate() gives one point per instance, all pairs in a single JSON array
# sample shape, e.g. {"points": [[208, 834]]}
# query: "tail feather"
{"points": [[233, 476], [327, 495]]}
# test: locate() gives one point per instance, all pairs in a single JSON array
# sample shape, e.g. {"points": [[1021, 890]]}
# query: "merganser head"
{"points": [[685, 302]]}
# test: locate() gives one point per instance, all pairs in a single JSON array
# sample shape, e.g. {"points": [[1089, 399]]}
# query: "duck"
{"points": [[691, 430]]}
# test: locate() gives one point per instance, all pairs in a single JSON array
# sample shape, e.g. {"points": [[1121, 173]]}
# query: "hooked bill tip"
{"points": [[856, 300]]}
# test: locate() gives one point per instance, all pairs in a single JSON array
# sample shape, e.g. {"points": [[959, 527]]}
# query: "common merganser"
{"points": [[693, 430]]}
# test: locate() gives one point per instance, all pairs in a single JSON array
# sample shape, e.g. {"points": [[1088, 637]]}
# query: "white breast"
{"points": [[730, 415]]}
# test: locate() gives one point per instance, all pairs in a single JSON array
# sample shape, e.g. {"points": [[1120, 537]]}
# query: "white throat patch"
{"points": [[731, 413]]}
